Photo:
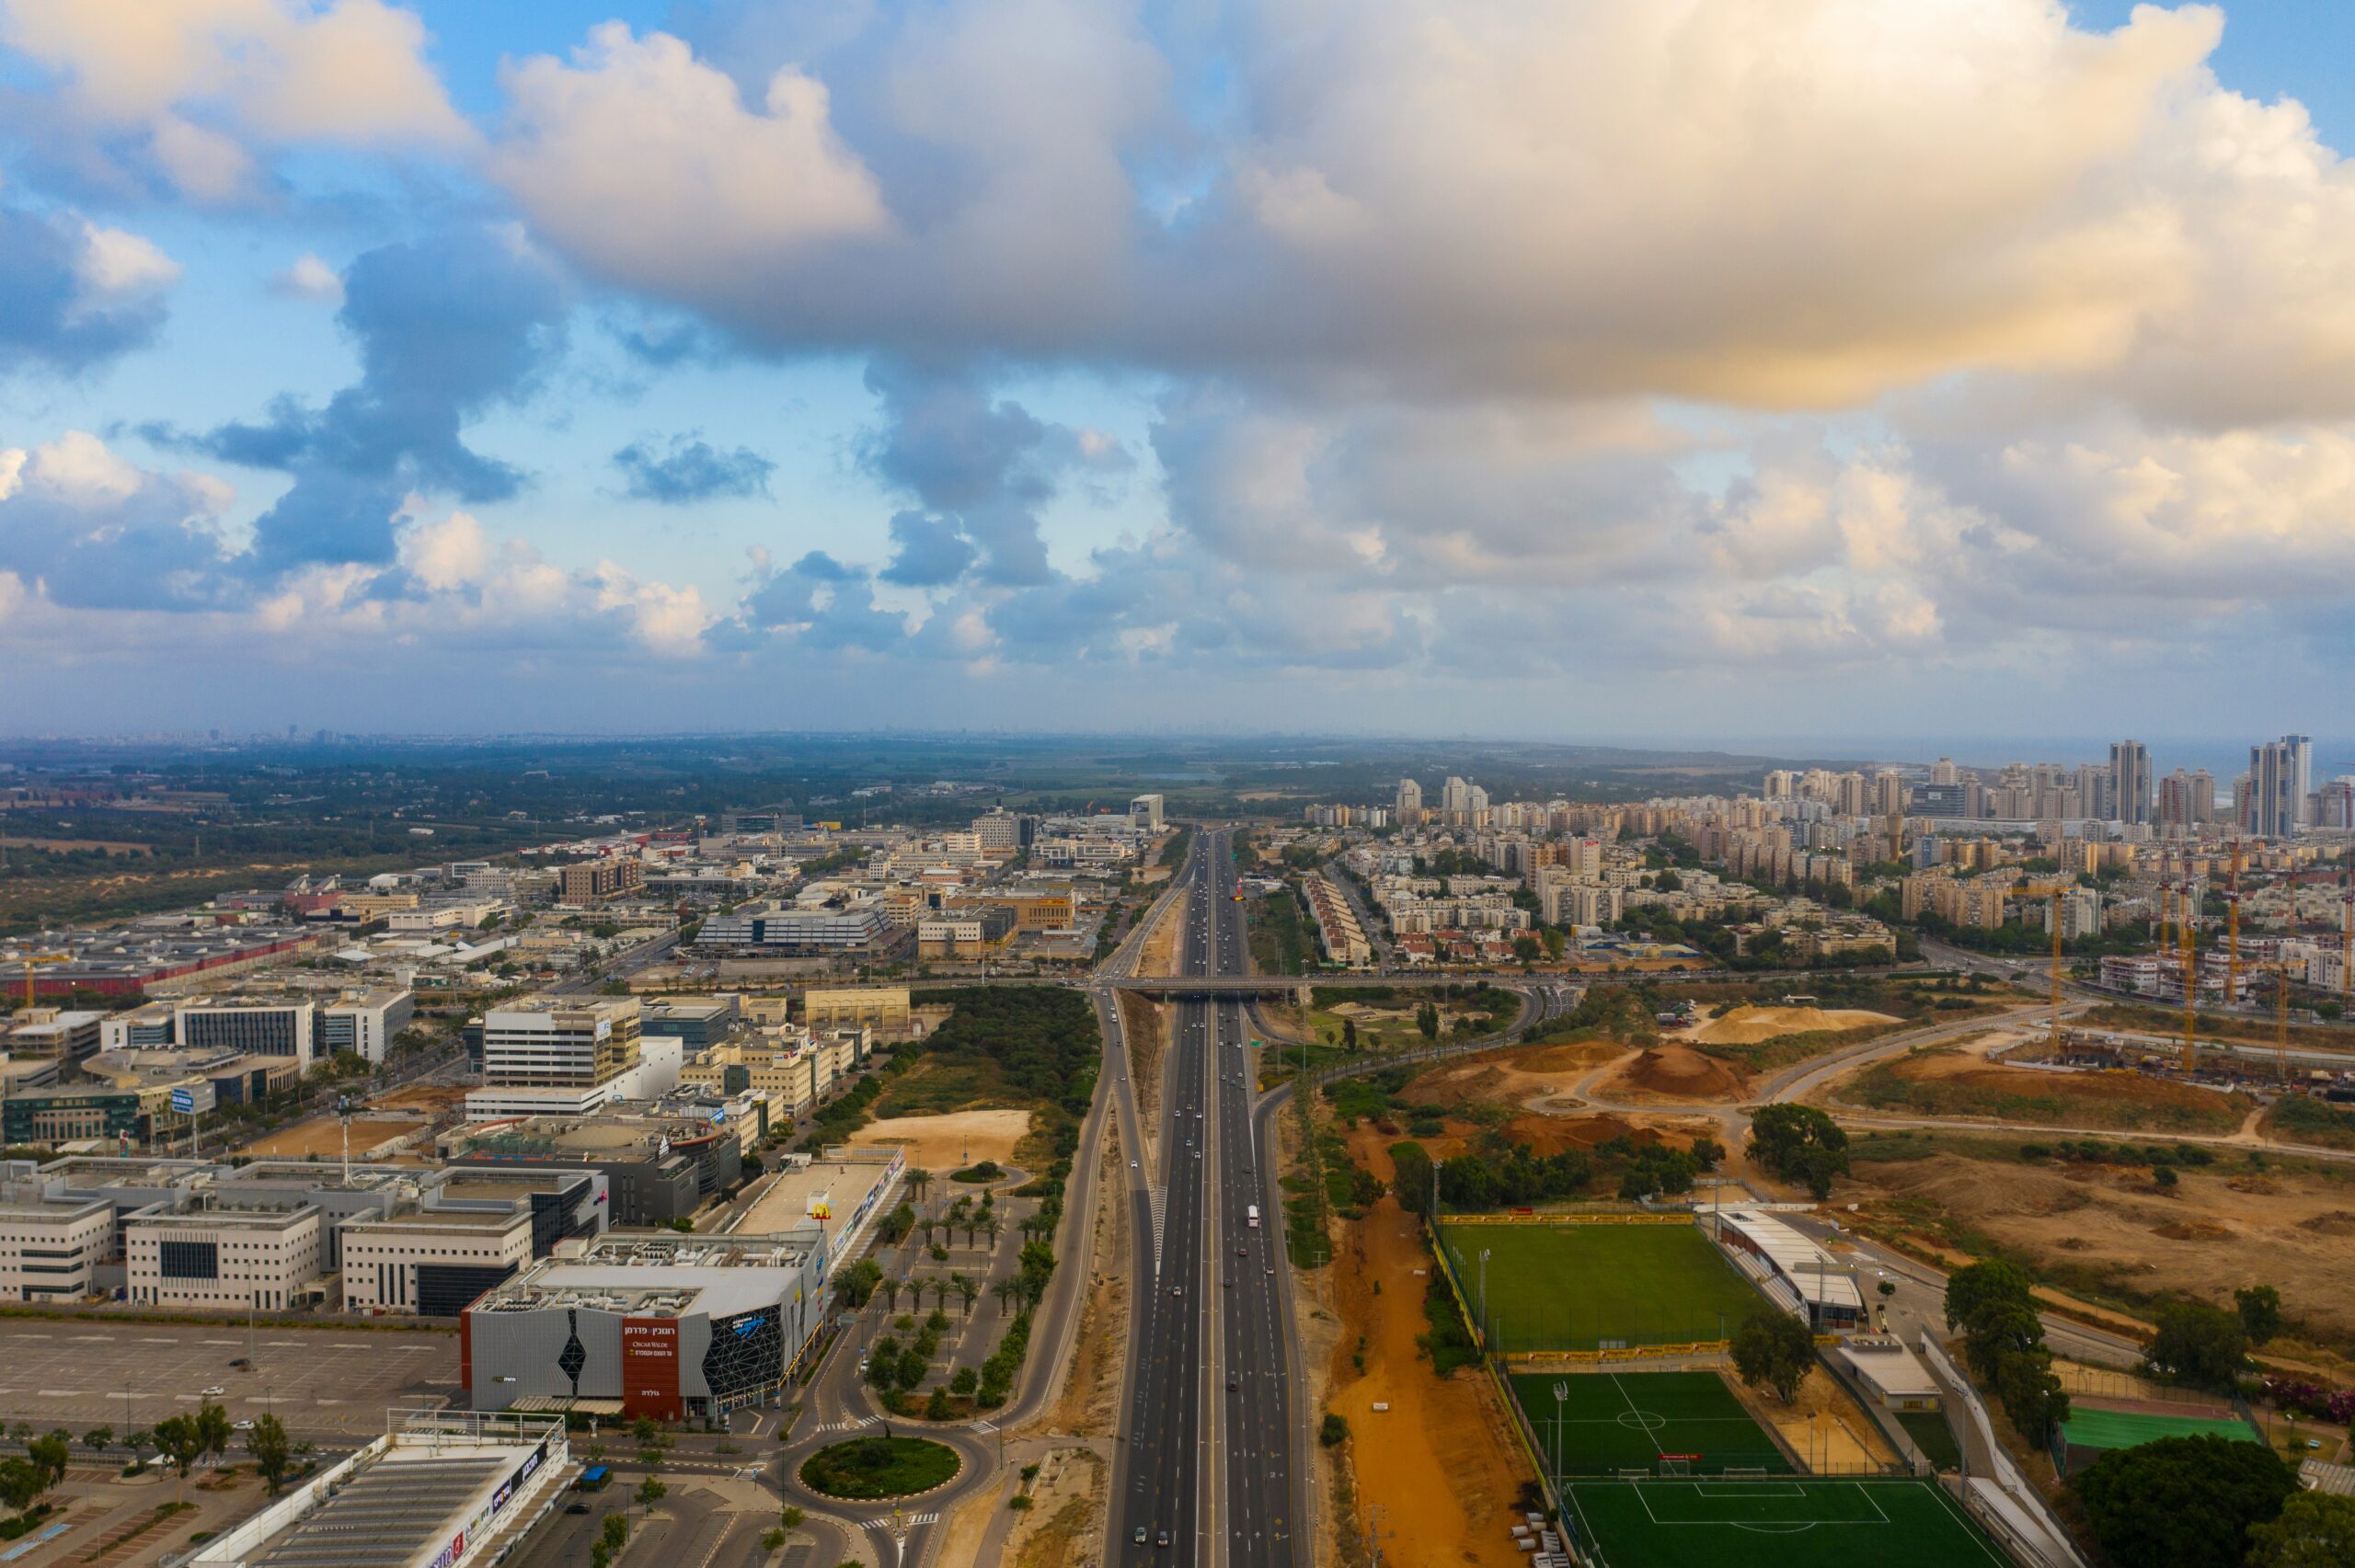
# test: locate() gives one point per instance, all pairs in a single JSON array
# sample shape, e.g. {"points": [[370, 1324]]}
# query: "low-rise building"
{"points": [[51, 1247], [205, 1251]]}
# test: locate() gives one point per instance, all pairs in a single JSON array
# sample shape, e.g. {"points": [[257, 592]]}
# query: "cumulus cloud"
{"points": [[307, 278], [691, 470], [73, 295], [96, 531], [202, 84], [637, 129], [446, 330]]}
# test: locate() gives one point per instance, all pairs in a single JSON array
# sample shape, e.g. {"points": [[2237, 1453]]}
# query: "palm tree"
{"points": [[918, 1179], [991, 1226], [890, 1286], [940, 1288], [1004, 1291], [966, 1290]]}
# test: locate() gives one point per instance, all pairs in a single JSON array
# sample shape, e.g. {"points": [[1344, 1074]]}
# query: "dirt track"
{"points": [[1440, 1460]]}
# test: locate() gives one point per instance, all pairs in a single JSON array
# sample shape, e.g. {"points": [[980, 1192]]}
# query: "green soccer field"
{"points": [[2131, 1428], [1608, 1422], [1582, 1287], [1788, 1523]]}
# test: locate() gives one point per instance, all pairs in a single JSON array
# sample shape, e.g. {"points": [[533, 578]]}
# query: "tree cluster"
{"points": [[1799, 1143], [2204, 1502], [1992, 1305]]}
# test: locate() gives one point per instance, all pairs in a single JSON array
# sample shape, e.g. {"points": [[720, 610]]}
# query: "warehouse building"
{"points": [[674, 1327]]}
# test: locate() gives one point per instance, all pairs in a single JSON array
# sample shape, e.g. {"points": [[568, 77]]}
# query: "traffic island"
{"points": [[868, 1470]]}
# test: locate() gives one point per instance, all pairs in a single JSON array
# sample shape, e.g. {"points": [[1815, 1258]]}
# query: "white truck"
{"points": [[1251, 1216]]}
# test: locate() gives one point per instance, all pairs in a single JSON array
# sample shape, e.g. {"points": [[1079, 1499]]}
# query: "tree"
{"points": [[1349, 1033], [1526, 948], [615, 1532], [936, 1407], [792, 1517], [273, 1456], [651, 1491], [1774, 1350], [138, 1441], [1799, 1143], [860, 1281], [2182, 1502], [2315, 1529], [2260, 1312], [892, 1288], [2031, 1394], [50, 1456], [1970, 1292], [213, 1426], [963, 1382], [967, 1290], [644, 1432], [99, 1439], [1427, 1021], [182, 1443], [20, 1483], [918, 1179], [2198, 1344]]}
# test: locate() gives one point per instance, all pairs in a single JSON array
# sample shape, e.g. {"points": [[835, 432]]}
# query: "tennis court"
{"points": [[1598, 1286], [1782, 1523], [2132, 1429], [1605, 1423]]}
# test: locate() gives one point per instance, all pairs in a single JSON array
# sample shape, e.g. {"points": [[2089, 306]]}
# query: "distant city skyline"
{"points": [[1656, 370]]}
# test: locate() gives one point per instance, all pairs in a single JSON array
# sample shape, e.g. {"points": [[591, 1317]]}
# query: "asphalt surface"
{"points": [[1211, 1380]]}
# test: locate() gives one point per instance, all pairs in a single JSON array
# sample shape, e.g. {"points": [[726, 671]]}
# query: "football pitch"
{"points": [[2127, 1428], [1785, 1523], [1609, 1422], [1595, 1286]]}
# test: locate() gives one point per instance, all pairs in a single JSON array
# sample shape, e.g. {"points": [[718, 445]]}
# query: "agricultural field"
{"points": [[1785, 1523], [1585, 1286]]}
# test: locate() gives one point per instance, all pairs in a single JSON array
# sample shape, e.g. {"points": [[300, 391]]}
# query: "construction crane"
{"points": [[2233, 930], [2053, 890], [30, 959], [2282, 970], [2191, 987]]}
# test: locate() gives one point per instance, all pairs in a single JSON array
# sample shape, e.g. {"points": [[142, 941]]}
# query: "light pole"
{"points": [[1484, 1298], [1561, 1393]]}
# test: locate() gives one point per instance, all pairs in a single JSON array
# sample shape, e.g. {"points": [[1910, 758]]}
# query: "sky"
{"points": [[1559, 368]]}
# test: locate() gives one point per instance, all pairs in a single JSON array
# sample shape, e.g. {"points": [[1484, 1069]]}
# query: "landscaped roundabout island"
{"points": [[869, 1468]]}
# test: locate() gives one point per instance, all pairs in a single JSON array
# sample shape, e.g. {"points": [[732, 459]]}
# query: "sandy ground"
{"points": [[1748, 1025], [2218, 1229], [323, 1135], [1090, 1394], [1064, 1526], [431, 1098], [1144, 1025], [1825, 1427], [1433, 1428], [950, 1141], [960, 1543], [1159, 955]]}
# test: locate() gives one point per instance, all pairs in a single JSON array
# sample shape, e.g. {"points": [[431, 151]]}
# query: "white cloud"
{"points": [[309, 278], [645, 164], [454, 553], [210, 80], [116, 264], [668, 621]]}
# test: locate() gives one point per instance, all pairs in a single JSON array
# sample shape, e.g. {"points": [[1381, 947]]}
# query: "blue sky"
{"points": [[1553, 369]]}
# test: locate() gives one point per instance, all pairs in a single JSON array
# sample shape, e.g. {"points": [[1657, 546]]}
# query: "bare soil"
{"points": [[1962, 1082], [1090, 1395], [1749, 1025], [1825, 1427], [2210, 1234], [1674, 1071], [951, 1140], [1159, 955], [1145, 1026], [323, 1135], [1434, 1428], [1065, 1522]]}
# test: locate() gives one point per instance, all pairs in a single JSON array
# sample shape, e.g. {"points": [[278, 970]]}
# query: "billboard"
{"points": [[650, 1369]]}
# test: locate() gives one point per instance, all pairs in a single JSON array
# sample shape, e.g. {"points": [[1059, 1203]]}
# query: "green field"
{"points": [[1590, 1287], [2130, 1429], [1614, 1421], [1789, 1523], [1931, 1433]]}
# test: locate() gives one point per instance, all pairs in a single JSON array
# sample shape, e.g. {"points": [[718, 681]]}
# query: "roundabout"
{"points": [[878, 1469]]}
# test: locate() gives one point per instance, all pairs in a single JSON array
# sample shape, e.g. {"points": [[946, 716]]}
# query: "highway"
{"points": [[1162, 1518]]}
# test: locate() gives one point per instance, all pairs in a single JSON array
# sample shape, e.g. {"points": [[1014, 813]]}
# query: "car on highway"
{"points": [[1162, 1540], [1232, 1381], [1176, 1290], [1138, 1536]]}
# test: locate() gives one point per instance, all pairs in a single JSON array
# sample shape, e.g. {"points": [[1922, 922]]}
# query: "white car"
{"points": [[212, 1392]]}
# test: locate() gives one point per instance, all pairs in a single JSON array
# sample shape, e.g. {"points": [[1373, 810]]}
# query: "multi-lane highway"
{"points": [[1207, 1473]]}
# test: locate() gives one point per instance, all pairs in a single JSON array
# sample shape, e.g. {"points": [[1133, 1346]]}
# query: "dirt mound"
{"points": [[2192, 1231], [1679, 1072], [1749, 1025], [1571, 1058], [2337, 1222]]}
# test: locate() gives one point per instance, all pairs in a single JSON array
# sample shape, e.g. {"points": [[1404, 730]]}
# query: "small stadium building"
{"points": [[1800, 1276]]}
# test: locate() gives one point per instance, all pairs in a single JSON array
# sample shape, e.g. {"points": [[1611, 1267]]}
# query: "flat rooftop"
{"points": [[844, 1184], [389, 1513]]}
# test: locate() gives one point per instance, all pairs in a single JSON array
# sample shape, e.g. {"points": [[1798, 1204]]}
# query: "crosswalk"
{"points": [[852, 1425], [906, 1522]]}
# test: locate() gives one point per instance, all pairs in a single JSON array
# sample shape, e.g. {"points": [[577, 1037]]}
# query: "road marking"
{"points": [[210, 1342], [159, 1341], [57, 1393]]}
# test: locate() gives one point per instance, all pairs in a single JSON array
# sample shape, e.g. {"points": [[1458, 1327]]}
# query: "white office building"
{"points": [[49, 1246], [206, 1251], [270, 1028]]}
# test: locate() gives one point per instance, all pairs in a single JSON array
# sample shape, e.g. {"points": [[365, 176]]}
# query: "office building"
{"points": [[556, 1057], [656, 1168], [258, 1027], [51, 1247], [364, 1023], [1144, 811], [231, 1254], [593, 881]]}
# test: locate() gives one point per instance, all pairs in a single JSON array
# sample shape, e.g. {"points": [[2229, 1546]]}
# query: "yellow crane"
{"points": [[2190, 988], [2282, 970], [2054, 890], [30, 959]]}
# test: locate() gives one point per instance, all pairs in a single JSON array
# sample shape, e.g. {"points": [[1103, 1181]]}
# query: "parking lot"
{"points": [[323, 1383]]}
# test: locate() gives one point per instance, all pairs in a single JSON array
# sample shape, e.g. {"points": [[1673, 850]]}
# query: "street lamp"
{"points": [[1561, 1393], [1484, 1297]]}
